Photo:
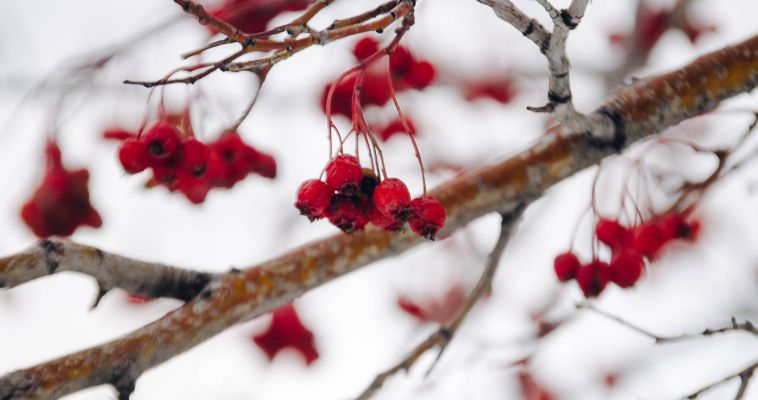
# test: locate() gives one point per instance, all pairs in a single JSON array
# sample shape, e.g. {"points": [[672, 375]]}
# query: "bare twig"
{"points": [[442, 336], [734, 325], [635, 112], [109, 270], [745, 375]]}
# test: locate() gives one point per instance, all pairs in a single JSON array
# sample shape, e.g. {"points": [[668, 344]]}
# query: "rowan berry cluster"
{"points": [[61, 203], [351, 197], [406, 73], [631, 249], [182, 163]]}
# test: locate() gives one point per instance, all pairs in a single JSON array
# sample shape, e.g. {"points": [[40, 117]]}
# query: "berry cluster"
{"points": [[253, 16], [631, 249], [182, 163], [351, 197], [406, 72], [61, 202]]}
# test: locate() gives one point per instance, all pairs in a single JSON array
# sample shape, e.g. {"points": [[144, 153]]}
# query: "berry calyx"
{"points": [[427, 216], [133, 156], [346, 213], [344, 174], [566, 266], [593, 277], [161, 140], [313, 198], [392, 199]]}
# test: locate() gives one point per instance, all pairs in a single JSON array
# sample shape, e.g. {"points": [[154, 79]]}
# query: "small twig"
{"points": [[261, 79], [745, 375], [734, 325], [442, 336]]}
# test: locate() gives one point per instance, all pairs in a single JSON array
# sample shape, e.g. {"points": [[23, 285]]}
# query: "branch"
{"points": [[631, 114], [444, 335], [152, 280], [745, 375], [734, 325]]}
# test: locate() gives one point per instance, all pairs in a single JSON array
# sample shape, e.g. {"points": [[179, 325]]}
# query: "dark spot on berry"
{"points": [[156, 148], [199, 170]]}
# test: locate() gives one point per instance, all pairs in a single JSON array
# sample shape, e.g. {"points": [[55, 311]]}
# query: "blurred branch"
{"points": [[444, 335], [745, 375], [631, 114], [734, 325], [151, 280]]}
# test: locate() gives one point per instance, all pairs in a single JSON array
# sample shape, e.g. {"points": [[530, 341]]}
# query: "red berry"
{"points": [[194, 160], [593, 277], [427, 216], [365, 48], [392, 199], [649, 238], [287, 331], [420, 75], [626, 268], [566, 266], [612, 233], [347, 214], [400, 61], [313, 199], [344, 174], [388, 224], [161, 140], [133, 156], [396, 127], [375, 89]]}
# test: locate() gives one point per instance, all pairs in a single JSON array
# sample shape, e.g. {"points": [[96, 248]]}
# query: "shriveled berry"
{"points": [[161, 140], [626, 268], [133, 156], [649, 238], [344, 174], [313, 199], [347, 214], [593, 277], [368, 183], [365, 48], [392, 199], [420, 75], [566, 266], [612, 233], [427, 216]]}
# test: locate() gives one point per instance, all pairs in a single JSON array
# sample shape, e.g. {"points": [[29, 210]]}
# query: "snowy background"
{"points": [[359, 329]]}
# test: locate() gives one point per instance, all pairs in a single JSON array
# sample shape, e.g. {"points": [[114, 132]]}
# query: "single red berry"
{"points": [[400, 61], [396, 127], [593, 277], [344, 174], [427, 216], [341, 97], [161, 140], [365, 47], [286, 330], [133, 156], [347, 214], [649, 238], [420, 75], [566, 266], [313, 199], [194, 159], [375, 89], [612, 233], [626, 268], [392, 199], [262, 163]]}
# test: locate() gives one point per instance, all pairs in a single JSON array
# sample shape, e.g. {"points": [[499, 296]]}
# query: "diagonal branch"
{"points": [[110, 271], [442, 337], [631, 114], [745, 375]]}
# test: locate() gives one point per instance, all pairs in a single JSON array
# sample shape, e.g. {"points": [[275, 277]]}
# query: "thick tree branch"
{"points": [[633, 113], [52, 255]]}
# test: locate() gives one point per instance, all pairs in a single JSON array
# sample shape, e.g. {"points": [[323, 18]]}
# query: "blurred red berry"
{"points": [[626, 268], [612, 233], [133, 156], [365, 47], [344, 174], [420, 75], [286, 330], [161, 140], [649, 238], [566, 266], [593, 277]]}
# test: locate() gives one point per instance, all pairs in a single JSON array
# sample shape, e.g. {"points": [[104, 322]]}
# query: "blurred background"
{"points": [[526, 341]]}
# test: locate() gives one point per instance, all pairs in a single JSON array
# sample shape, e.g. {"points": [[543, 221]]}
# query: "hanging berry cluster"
{"points": [[182, 163], [631, 249], [61, 203], [352, 196]]}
